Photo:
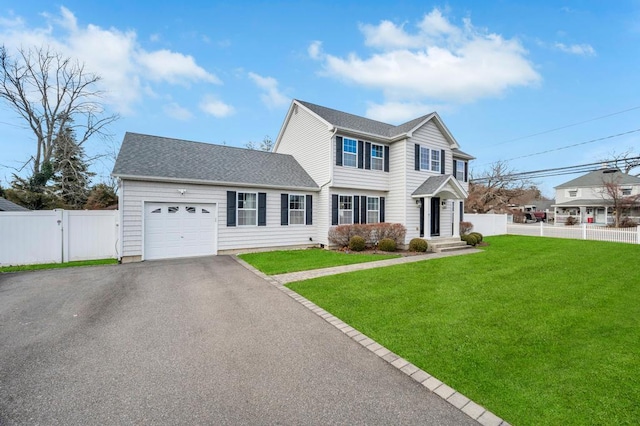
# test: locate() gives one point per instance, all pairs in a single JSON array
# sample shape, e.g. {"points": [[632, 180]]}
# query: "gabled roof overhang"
{"points": [[445, 186]]}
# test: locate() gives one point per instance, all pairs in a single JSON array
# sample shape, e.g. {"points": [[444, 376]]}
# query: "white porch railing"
{"points": [[581, 232]]}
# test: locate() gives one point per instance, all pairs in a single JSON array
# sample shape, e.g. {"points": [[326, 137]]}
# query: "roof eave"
{"points": [[213, 182]]}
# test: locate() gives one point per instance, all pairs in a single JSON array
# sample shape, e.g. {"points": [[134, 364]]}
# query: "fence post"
{"points": [[638, 235], [541, 229], [584, 231]]}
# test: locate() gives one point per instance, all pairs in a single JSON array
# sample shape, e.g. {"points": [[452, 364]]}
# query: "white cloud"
{"points": [[576, 49], [177, 112], [125, 67], [399, 112], [315, 50], [272, 97], [216, 107], [164, 65], [439, 62]]}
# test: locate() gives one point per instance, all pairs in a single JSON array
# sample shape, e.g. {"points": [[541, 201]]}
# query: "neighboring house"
{"points": [[586, 199], [8, 206], [181, 198]]}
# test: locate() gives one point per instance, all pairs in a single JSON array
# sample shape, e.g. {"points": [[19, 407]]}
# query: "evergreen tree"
{"points": [[101, 196], [71, 177]]}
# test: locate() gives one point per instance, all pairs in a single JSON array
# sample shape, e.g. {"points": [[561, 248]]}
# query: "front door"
{"points": [[435, 217]]}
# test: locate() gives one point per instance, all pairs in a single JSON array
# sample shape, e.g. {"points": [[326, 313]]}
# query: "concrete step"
{"points": [[449, 244]]}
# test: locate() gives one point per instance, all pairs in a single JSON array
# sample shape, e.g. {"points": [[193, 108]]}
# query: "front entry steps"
{"points": [[441, 245]]}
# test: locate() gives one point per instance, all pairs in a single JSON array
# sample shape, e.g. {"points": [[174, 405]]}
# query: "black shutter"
{"points": [[417, 161], [360, 154], [442, 167], [461, 211], [466, 171], [309, 213], [386, 158], [334, 209], [338, 150], [455, 169], [262, 209], [363, 210], [231, 208], [367, 155], [381, 209], [356, 209], [284, 209]]}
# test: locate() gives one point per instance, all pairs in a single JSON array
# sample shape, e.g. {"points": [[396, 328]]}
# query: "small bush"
{"points": [[470, 239], [387, 244], [627, 222], [465, 227], [478, 236], [357, 243], [570, 221], [372, 233], [418, 244]]}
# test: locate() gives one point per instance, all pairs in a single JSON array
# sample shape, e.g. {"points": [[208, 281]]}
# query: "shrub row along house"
{"points": [[180, 198]]}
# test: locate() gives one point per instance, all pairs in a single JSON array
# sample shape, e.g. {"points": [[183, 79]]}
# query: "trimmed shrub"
{"points": [[470, 239], [387, 244], [627, 222], [372, 233], [570, 221], [418, 244], [465, 227], [357, 243], [478, 236]]}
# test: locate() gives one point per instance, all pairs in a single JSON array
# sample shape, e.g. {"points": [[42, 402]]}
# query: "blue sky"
{"points": [[225, 72]]}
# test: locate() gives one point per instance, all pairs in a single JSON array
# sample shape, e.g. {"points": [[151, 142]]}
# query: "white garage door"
{"points": [[179, 230]]}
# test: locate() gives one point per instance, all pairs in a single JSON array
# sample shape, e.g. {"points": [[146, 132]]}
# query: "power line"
{"points": [[558, 171], [567, 126]]}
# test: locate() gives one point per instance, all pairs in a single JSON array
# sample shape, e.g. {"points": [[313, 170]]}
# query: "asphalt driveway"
{"points": [[193, 341]]}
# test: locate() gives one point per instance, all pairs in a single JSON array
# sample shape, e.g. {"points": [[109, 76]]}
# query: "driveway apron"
{"points": [[189, 341]]}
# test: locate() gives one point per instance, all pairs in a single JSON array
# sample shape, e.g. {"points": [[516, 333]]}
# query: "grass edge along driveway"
{"points": [[538, 330]]}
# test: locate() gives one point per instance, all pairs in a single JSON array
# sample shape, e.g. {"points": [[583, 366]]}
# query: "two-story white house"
{"points": [[414, 174], [586, 198], [181, 198]]}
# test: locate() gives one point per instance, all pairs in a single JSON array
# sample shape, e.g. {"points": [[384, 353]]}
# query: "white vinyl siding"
{"points": [[135, 193]]}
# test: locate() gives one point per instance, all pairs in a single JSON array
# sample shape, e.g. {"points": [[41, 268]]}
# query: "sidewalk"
{"points": [[315, 273]]}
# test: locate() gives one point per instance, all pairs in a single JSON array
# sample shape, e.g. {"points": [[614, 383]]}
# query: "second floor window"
{"points": [[247, 209], [424, 158], [460, 170], [573, 193], [345, 210], [626, 191], [350, 152], [377, 157], [435, 160]]}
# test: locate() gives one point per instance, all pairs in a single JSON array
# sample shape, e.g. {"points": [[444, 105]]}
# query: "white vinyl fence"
{"points": [[57, 236], [580, 232], [487, 224]]}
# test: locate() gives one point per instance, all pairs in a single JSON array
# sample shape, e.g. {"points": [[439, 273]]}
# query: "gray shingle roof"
{"points": [[431, 185], [459, 154], [597, 177], [145, 156], [361, 124], [585, 203], [8, 206]]}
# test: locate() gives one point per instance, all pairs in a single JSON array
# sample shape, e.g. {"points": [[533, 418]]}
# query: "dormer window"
{"points": [[573, 193], [626, 191]]}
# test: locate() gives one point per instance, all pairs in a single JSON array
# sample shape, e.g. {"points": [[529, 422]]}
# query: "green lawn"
{"points": [[58, 265], [285, 261], [538, 330]]}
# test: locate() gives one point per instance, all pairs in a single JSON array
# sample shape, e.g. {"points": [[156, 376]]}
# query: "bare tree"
{"points": [[496, 189], [626, 161], [618, 195], [266, 144], [50, 93]]}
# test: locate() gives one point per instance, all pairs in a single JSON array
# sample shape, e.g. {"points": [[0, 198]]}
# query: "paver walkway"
{"points": [[305, 275], [447, 393]]}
